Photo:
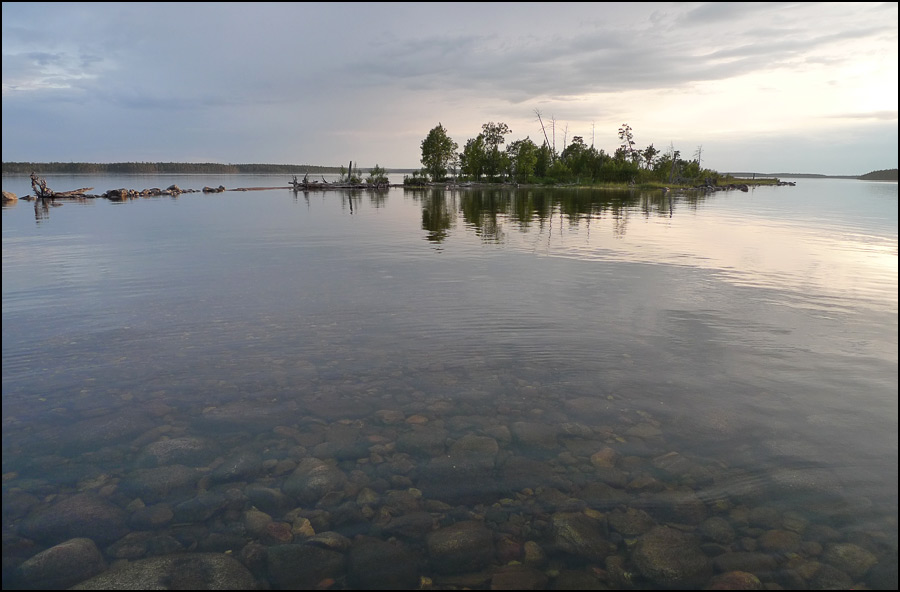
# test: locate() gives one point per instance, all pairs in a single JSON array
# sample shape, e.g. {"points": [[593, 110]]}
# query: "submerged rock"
{"points": [[671, 559], [462, 547], [188, 571], [62, 565], [83, 515]]}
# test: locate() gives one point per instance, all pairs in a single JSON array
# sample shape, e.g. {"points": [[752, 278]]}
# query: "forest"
{"points": [[81, 168]]}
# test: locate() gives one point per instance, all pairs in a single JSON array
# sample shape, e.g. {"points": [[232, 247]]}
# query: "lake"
{"points": [[512, 388]]}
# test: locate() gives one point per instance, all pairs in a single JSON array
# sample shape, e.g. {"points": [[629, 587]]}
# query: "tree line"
{"points": [[79, 168], [484, 158]]}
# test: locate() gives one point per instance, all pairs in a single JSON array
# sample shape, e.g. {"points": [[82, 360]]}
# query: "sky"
{"points": [[751, 87]]}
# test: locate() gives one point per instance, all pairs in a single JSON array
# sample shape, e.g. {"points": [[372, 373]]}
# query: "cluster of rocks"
{"points": [[437, 499], [123, 194]]}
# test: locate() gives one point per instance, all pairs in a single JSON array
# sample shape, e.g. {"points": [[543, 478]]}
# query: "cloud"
{"points": [[328, 80]]}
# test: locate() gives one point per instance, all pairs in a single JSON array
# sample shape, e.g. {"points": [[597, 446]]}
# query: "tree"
{"points": [[377, 176], [627, 138], [523, 156], [648, 154], [472, 158], [438, 152], [493, 137]]}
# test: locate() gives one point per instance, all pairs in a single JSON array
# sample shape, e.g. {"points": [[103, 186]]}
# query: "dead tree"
{"points": [[39, 186]]}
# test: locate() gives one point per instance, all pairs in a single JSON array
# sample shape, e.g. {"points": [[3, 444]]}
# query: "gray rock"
{"points": [[461, 547], [379, 565], [161, 483], [243, 466], [301, 567], [312, 480], [518, 577], [828, 577], [194, 452], [631, 522], [578, 580], [671, 559], [761, 565], [410, 526], [577, 534], [423, 441], [477, 452], [187, 571], [84, 515], [734, 580], [849, 558], [717, 529], [62, 565], [201, 507], [535, 437], [682, 506]]}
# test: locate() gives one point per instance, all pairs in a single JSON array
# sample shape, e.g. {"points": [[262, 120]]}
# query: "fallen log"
{"points": [[73, 193]]}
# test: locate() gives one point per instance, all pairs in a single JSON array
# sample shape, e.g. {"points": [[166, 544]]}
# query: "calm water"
{"points": [[724, 361]]}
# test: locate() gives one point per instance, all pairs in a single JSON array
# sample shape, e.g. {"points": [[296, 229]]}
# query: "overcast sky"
{"points": [[763, 87]]}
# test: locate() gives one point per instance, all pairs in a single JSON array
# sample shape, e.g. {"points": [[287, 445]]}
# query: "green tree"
{"points": [[473, 157], [438, 152], [649, 154], [544, 160], [377, 176], [495, 160], [627, 138], [523, 156]]}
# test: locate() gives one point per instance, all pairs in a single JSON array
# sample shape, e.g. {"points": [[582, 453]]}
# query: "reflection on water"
{"points": [[527, 388]]}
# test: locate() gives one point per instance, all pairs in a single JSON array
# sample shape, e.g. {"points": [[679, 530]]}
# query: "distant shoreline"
{"points": [[176, 168]]}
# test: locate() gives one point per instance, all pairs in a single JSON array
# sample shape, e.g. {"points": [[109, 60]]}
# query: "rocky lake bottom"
{"points": [[447, 391]]}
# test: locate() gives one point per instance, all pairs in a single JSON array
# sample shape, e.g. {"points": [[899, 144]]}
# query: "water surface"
{"points": [[752, 336]]}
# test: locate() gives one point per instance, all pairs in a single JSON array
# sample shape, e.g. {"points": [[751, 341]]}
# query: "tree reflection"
{"points": [[488, 211], [437, 218]]}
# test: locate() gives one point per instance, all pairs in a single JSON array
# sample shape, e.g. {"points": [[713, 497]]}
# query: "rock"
{"points": [[519, 472], [828, 577], [761, 565], [410, 526], [423, 441], [717, 529], [136, 545], [631, 522], [780, 541], [201, 507], [604, 458], [577, 580], [465, 480], [380, 565], [302, 567], [161, 483], [462, 547], [734, 580], [534, 437], [601, 496], [187, 571], [194, 452], [671, 559], [681, 506], [9, 197], [518, 577], [243, 466], [849, 558], [312, 480], [151, 517], [476, 452], [764, 517], [63, 565], [83, 515], [580, 535]]}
